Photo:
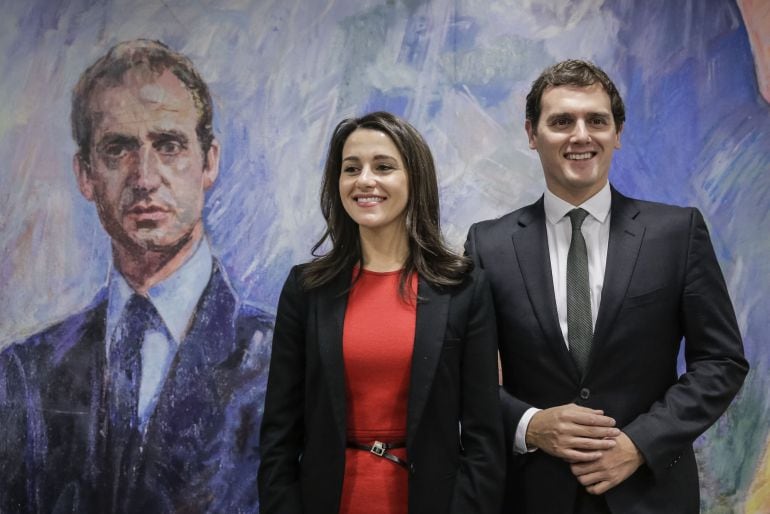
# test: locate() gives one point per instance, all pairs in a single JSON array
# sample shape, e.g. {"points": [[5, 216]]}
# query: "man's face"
{"points": [[575, 138], [147, 173]]}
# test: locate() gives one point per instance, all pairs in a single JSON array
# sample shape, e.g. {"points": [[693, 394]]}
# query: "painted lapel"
{"points": [[530, 244], [432, 311], [196, 391], [626, 235], [331, 302]]}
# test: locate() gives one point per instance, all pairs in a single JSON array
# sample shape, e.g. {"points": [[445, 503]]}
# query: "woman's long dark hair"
{"points": [[428, 255]]}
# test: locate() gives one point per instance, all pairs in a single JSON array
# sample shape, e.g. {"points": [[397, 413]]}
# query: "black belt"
{"points": [[380, 449]]}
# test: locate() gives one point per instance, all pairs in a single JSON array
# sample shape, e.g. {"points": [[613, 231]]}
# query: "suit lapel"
{"points": [[193, 398], [530, 244], [332, 302], [432, 311], [626, 235]]}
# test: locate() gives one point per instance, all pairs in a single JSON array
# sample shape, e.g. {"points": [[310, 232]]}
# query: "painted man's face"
{"points": [[147, 172]]}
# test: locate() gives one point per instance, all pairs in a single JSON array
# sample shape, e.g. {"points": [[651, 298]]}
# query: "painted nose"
{"points": [[147, 169]]}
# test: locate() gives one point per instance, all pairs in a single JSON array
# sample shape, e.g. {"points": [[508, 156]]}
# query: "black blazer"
{"points": [[200, 446], [662, 283], [453, 379]]}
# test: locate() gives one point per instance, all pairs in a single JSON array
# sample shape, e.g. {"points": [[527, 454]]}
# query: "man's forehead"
{"points": [[557, 97], [143, 85], [140, 92]]}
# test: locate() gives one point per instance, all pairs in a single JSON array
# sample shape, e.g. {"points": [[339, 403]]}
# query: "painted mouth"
{"points": [[582, 156], [147, 212]]}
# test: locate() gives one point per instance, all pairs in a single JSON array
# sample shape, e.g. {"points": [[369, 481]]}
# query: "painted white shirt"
{"points": [[175, 299]]}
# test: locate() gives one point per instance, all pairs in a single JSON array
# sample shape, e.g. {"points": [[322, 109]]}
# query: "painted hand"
{"points": [[572, 433], [612, 468]]}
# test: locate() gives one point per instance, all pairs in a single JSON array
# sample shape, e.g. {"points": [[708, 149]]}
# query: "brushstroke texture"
{"points": [[283, 73]]}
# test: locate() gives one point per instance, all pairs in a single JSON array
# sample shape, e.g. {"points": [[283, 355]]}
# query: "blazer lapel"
{"points": [[332, 302], [626, 235], [530, 244], [432, 310]]}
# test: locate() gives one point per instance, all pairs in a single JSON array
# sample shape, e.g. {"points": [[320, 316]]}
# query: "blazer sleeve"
{"points": [[512, 409], [479, 483], [716, 366], [282, 432]]}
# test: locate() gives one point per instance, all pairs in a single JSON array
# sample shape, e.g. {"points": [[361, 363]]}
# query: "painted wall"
{"points": [[284, 72]]}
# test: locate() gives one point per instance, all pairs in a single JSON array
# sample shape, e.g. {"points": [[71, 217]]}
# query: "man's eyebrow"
{"points": [[111, 138], [558, 115], [161, 134]]}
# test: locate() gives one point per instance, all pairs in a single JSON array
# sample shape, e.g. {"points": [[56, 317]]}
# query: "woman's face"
{"points": [[373, 185]]}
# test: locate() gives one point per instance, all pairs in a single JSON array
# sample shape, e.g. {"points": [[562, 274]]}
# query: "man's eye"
{"points": [[169, 147], [599, 121], [562, 122], [115, 150]]}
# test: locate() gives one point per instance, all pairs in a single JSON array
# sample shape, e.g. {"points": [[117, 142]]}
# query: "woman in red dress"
{"points": [[382, 395]]}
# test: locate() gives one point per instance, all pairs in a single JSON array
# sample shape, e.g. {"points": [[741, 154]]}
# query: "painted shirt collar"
{"points": [[175, 298]]}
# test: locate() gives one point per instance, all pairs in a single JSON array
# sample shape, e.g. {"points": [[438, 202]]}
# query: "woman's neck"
{"points": [[384, 249]]}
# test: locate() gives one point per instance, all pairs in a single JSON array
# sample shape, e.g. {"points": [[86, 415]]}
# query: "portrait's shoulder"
{"points": [[57, 338], [257, 315]]}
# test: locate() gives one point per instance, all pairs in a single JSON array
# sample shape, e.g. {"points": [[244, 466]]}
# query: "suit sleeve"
{"points": [[512, 409], [479, 483], [15, 454], [716, 366], [282, 432]]}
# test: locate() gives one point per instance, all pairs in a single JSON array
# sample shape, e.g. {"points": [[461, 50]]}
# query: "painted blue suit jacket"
{"points": [[200, 451]]}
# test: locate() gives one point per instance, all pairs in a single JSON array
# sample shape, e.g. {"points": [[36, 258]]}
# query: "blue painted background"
{"points": [[284, 72]]}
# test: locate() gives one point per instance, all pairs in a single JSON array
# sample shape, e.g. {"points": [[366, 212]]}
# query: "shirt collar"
{"points": [[598, 206], [175, 298]]}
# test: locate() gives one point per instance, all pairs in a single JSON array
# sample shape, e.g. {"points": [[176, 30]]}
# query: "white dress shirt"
{"points": [[175, 299], [596, 232]]}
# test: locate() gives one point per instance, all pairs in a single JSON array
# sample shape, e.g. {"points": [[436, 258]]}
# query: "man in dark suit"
{"points": [[594, 292], [148, 400]]}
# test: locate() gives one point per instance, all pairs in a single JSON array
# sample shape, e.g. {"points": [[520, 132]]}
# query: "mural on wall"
{"points": [[283, 73]]}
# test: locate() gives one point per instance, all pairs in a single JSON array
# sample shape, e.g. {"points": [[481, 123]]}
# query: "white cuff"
{"points": [[520, 439]]}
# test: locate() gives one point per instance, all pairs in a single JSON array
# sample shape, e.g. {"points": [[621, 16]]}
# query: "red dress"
{"points": [[377, 342]]}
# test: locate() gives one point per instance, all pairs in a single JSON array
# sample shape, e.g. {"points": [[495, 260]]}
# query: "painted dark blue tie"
{"points": [[138, 317], [579, 324]]}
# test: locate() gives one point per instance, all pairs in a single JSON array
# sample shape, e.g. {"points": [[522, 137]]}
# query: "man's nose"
{"points": [[147, 174], [581, 134]]}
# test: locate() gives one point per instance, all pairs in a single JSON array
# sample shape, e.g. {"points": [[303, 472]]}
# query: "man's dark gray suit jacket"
{"points": [[662, 284], [200, 450]]}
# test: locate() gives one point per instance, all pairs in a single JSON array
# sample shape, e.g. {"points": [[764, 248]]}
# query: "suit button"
{"points": [[585, 393], [411, 468]]}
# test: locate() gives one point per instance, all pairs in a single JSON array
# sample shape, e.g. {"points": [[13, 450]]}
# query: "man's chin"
{"points": [[157, 242]]}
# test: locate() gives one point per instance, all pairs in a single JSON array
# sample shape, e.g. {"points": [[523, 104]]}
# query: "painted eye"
{"points": [[115, 151], [169, 147]]}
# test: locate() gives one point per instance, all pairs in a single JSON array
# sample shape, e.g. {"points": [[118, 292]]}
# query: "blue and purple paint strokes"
{"points": [[284, 72]]}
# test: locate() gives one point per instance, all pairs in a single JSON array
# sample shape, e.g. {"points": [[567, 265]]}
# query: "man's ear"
{"points": [[82, 169], [211, 165], [531, 135], [617, 136]]}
